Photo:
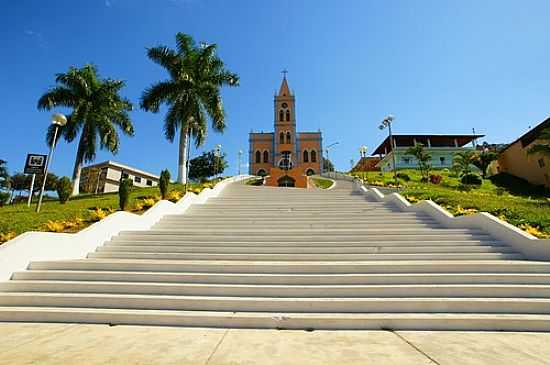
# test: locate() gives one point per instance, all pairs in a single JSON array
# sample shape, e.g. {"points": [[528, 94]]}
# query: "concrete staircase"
{"points": [[291, 259]]}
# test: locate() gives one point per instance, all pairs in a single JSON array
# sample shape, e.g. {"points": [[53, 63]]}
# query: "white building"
{"points": [[441, 147], [105, 177]]}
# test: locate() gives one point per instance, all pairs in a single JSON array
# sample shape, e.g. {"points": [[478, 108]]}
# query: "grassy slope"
{"points": [[516, 209], [321, 183], [18, 218]]}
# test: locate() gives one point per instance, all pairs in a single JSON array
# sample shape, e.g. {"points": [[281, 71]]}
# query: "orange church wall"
{"points": [[301, 181]]}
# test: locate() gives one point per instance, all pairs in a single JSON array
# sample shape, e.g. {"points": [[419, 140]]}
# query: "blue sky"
{"points": [[438, 66]]}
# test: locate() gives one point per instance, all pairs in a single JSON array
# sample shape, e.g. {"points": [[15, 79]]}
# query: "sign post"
{"points": [[34, 164]]}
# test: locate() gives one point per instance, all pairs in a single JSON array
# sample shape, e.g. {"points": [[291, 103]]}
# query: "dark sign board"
{"points": [[35, 164]]}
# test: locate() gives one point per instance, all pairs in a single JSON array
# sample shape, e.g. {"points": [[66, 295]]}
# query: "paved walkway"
{"points": [[99, 344]]}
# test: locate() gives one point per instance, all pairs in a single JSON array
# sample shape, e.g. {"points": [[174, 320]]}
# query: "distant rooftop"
{"points": [[436, 140]]}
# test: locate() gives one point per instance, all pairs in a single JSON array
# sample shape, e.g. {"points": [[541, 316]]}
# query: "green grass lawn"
{"points": [[79, 212], [321, 183], [530, 212]]}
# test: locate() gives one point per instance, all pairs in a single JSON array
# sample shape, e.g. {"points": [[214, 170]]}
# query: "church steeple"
{"points": [[284, 90]]}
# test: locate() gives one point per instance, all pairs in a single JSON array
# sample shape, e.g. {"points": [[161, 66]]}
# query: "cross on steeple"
{"points": [[284, 72]]}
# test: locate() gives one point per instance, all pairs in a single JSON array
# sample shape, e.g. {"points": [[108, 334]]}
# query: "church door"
{"points": [[286, 181]]}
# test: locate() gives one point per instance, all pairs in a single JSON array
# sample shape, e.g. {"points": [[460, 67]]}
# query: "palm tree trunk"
{"points": [[76, 177], [182, 161]]}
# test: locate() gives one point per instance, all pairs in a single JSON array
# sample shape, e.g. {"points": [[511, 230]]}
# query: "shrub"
{"points": [[436, 179], [64, 189], [464, 187], [54, 226], [163, 183], [98, 214], [4, 198], [471, 179], [174, 196], [7, 236], [403, 176], [500, 191], [517, 186], [124, 193], [424, 179]]}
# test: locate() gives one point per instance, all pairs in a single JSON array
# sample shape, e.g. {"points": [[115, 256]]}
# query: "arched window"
{"points": [[281, 115], [258, 157], [310, 172], [281, 138], [288, 115], [288, 138], [313, 156], [306, 156], [261, 172], [266, 156]]}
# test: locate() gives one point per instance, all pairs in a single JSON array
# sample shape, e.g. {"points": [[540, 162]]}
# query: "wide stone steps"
{"points": [[329, 321], [43, 288], [303, 250], [300, 267], [303, 257], [283, 279], [258, 257], [128, 241]]}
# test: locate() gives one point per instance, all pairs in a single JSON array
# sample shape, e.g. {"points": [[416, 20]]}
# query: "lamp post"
{"points": [[328, 149], [58, 120], [363, 153], [386, 123], [239, 167], [218, 153]]}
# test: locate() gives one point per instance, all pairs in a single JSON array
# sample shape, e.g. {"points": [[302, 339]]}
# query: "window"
{"points": [[149, 182], [406, 160], [124, 175], [310, 172], [258, 157], [288, 138], [281, 115], [288, 115], [285, 162], [541, 162], [137, 179], [266, 156], [306, 156], [261, 172], [442, 160], [282, 138], [313, 156]]}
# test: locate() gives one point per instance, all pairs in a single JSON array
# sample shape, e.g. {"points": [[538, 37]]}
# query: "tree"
{"points": [[542, 147], [327, 165], [64, 188], [124, 193], [192, 93], [207, 165], [4, 175], [423, 158], [462, 161], [483, 159], [97, 109], [164, 181]]}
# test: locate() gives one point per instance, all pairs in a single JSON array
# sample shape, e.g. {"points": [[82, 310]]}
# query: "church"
{"points": [[284, 156]]}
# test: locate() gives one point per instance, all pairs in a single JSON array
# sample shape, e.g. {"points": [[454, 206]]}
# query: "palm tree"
{"points": [[542, 147], [423, 159], [192, 93], [97, 110], [462, 161]]}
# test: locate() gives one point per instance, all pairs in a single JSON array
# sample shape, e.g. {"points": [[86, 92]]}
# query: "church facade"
{"points": [[284, 156]]}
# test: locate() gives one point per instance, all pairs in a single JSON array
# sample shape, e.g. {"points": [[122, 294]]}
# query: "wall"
{"points": [[515, 161]]}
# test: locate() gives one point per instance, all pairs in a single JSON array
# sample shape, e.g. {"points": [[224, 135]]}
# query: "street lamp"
{"points": [[328, 149], [58, 120], [363, 151], [240, 154], [218, 153], [386, 123]]}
